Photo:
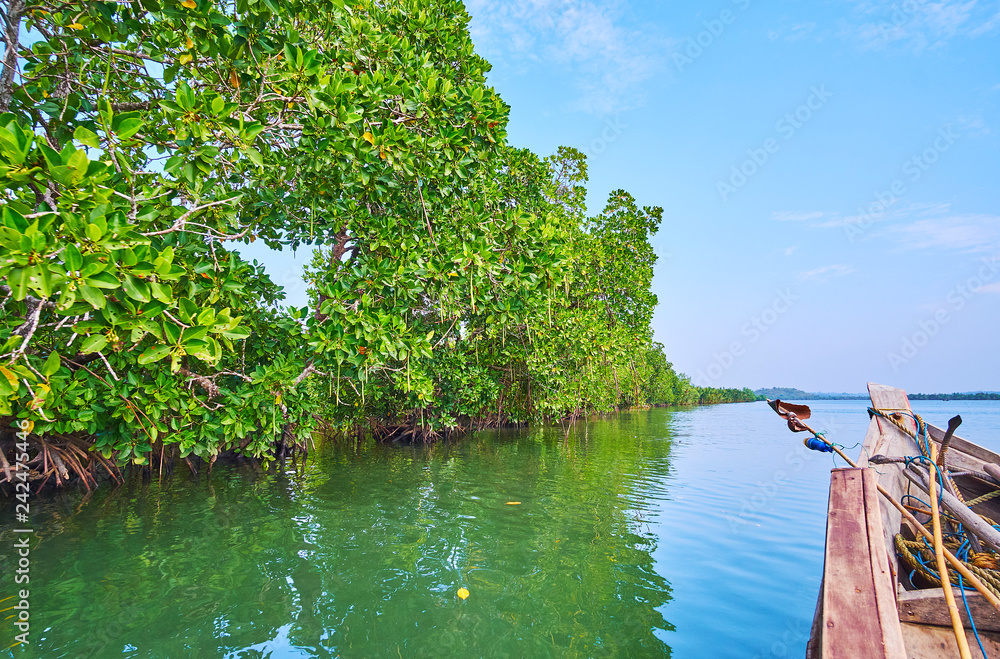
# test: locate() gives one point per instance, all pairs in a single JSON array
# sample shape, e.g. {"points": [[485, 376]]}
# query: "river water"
{"points": [[688, 533]]}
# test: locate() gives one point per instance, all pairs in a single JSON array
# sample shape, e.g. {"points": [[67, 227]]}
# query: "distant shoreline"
{"points": [[798, 394]]}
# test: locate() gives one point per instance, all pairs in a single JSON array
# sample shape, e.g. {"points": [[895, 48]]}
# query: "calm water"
{"points": [[688, 533]]}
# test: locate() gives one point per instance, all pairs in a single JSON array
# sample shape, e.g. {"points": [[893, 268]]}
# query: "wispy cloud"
{"points": [[589, 39], [791, 250], [965, 233], [797, 216], [827, 272], [917, 25], [991, 288], [794, 32]]}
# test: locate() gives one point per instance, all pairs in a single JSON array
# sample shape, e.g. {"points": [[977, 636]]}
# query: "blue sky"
{"points": [[827, 172]]}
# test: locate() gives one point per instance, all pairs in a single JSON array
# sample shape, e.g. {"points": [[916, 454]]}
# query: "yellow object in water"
{"points": [[463, 593], [513, 503]]}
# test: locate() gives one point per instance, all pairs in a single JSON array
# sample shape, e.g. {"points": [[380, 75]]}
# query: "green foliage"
{"points": [[456, 279]]}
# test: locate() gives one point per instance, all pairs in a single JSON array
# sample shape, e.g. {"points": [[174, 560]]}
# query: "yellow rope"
{"points": [[983, 499], [910, 549], [913, 435]]}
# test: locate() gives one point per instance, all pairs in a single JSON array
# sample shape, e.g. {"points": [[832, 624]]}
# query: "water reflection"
{"points": [[363, 553]]}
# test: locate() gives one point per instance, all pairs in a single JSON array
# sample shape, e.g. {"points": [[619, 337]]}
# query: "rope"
{"points": [[968, 612], [983, 499], [925, 447], [920, 558]]}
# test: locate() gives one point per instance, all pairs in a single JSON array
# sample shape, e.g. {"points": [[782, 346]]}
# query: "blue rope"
{"points": [[968, 612], [937, 470]]}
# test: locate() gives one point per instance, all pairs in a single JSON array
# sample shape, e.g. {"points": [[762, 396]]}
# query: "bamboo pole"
{"points": [[949, 595]]}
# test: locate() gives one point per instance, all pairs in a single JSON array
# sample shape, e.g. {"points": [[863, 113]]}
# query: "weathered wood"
{"points": [[883, 438], [891, 399], [860, 618], [933, 642], [963, 445], [884, 577], [927, 607], [973, 522]]}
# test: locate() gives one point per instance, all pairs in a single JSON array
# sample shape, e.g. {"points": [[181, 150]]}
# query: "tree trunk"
{"points": [[15, 10]]}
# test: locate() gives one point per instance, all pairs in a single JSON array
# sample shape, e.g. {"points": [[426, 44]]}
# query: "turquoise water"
{"points": [[687, 533]]}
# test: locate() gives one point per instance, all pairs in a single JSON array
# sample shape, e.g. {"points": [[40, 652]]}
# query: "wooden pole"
{"points": [[973, 523], [949, 595]]}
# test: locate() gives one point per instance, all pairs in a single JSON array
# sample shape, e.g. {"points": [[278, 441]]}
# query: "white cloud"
{"points": [[797, 216], [966, 233], [917, 25], [790, 250], [795, 32], [588, 39], [973, 125], [827, 272], [991, 288]]}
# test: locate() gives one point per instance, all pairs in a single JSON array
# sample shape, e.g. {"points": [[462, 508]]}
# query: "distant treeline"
{"points": [[977, 395], [712, 396], [787, 393]]}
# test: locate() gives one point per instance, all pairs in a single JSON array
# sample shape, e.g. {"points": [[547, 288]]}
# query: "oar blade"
{"points": [[792, 413]]}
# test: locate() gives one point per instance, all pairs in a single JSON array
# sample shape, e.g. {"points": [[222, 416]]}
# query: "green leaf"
{"points": [[136, 289], [51, 364], [129, 127], [93, 343], [19, 279], [154, 354], [171, 332], [207, 317], [94, 296], [73, 259], [188, 310], [160, 291], [103, 280], [185, 96], [87, 137], [9, 376], [254, 155], [94, 232]]}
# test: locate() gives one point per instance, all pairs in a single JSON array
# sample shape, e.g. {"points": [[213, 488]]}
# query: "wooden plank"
{"points": [[927, 607], [884, 578], [853, 625], [963, 446], [932, 642], [890, 398], [883, 438]]}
